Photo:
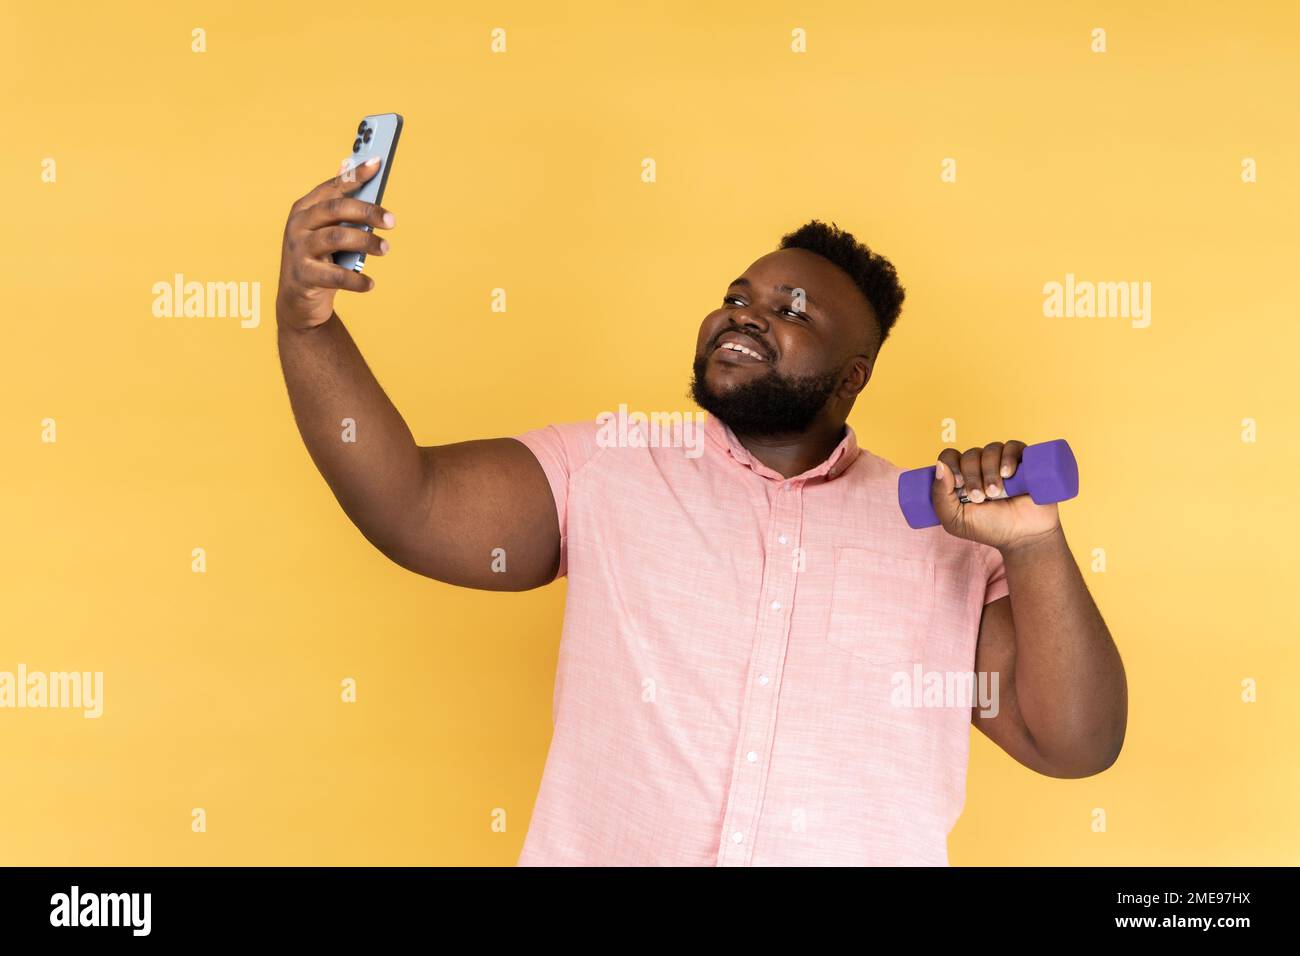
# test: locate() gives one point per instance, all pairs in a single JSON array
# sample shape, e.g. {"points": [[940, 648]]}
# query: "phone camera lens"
{"points": [[366, 136], [356, 147], [362, 128]]}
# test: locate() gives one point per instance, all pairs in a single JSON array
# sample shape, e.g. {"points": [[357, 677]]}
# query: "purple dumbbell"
{"points": [[1047, 473]]}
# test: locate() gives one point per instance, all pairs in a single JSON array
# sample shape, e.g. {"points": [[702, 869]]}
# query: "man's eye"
{"points": [[730, 298], [797, 315]]}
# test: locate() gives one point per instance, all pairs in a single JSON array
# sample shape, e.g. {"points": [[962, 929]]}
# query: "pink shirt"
{"points": [[726, 691]]}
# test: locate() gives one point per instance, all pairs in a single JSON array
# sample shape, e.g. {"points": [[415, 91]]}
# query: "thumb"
{"points": [[943, 494]]}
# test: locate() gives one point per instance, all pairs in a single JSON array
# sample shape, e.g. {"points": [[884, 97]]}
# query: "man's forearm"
{"points": [[1069, 679], [379, 478]]}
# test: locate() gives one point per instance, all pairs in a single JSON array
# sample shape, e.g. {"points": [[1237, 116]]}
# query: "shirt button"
{"points": [[752, 756], [763, 679], [781, 540], [737, 837], [776, 605]]}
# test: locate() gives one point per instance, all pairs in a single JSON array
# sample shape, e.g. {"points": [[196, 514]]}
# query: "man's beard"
{"points": [[769, 404]]}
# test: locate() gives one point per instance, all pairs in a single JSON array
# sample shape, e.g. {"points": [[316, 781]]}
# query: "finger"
{"points": [[343, 209], [1012, 452], [951, 457], [990, 462], [972, 471], [348, 180], [943, 490], [320, 243], [327, 275]]}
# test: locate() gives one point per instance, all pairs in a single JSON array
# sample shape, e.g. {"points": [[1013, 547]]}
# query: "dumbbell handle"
{"points": [[1047, 473]]}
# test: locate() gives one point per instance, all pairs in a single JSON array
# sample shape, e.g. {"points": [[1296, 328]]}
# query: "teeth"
{"points": [[737, 347]]}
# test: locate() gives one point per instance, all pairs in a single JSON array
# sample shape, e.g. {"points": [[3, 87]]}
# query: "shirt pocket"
{"points": [[882, 605]]}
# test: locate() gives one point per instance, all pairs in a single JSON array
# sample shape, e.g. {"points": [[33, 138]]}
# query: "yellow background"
{"points": [[522, 170]]}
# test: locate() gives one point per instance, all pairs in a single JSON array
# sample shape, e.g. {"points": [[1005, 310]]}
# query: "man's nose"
{"points": [[748, 317]]}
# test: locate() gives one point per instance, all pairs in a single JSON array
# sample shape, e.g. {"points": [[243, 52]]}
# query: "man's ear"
{"points": [[856, 376]]}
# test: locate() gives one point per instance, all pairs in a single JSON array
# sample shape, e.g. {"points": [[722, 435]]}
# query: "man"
{"points": [[751, 633]]}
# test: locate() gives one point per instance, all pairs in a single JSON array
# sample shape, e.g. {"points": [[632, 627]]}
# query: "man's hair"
{"points": [[872, 273]]}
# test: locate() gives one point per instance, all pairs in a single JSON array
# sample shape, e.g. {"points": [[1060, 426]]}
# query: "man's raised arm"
{"points": [[439, 510]]}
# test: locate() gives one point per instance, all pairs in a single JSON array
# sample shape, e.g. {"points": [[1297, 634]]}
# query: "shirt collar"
{"points": [[724, 440]]}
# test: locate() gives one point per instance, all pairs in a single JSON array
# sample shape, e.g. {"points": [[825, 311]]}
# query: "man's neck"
{"points": [[791, 455]]}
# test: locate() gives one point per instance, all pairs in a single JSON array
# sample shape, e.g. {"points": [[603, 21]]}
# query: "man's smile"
{"points": [[739, 348]]}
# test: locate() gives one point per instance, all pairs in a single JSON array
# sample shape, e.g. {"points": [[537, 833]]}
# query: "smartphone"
{"points": [[375, 136]]}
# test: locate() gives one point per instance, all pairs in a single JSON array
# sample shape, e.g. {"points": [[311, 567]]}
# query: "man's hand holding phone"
{"points": [[314, 231]]}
